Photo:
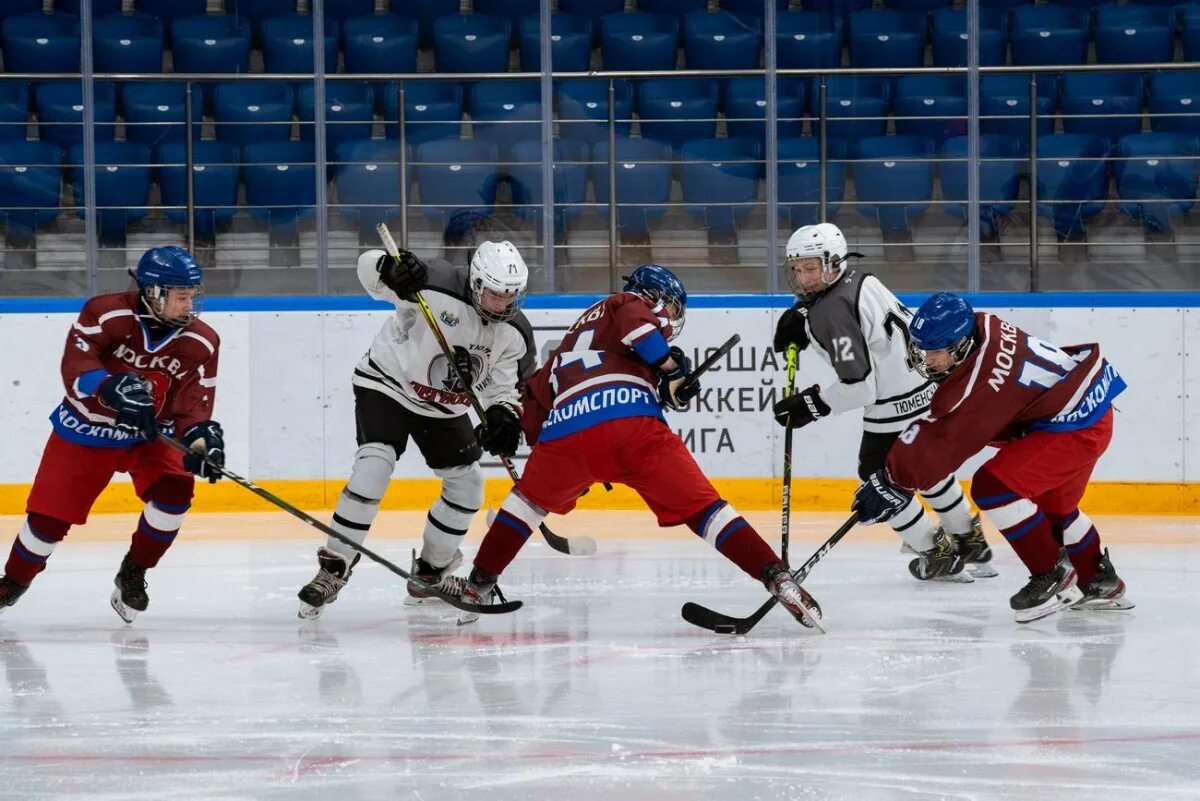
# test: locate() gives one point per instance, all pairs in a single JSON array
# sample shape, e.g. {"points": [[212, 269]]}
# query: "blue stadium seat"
{"points": [[949, 40], [513, 9], [1156, 176], [368, 182], [15, 8], [155, 112], [859, 86], [281, 183], [1190, 35], [122, 181], [746, 109], [426, 12], [169, 10], [808, 40], [1113, 15], [639, 41], [386, 43], [210, 44], [432, 110], [1004, 106], [1060, 15], [506, 112], [287, 44], [255, 11], [1072, 181], [457, 179], [675, 8], [465, 43], [349, 112], [127, 44], [1000, 167], [800, 180], [852, 119], [719, 181], [100, 8], [936, 117], [841, 9], [30, 187], [41, 43], [585, 101], [215, 178], [594, 10], [1104, 103], [887, 39], [1049, 35], [1173, 94], [570, 43], [917, 5], [643, 169], [1122, 42], [720, 41], [895, 185], [14, 111], [570, 181], [753, 8], [255, 112], [674, 110], [59, 108], [344, 9]]}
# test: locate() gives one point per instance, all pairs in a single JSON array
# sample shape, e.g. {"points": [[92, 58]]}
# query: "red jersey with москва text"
{"points": [[605, 368], [1009, 385], [112, 336]]}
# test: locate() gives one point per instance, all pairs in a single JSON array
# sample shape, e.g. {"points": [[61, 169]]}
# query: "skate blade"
{"points": [[1104, 605], [962, 577], [812, 621], [309, 612], [126, 613], [1065, 599], [412, 600], [982, 570]]}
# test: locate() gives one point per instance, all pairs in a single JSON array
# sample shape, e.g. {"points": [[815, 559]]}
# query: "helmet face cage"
{"points": [[832, 268], [156, 296], [916, 358], [676, 308], [497, 268], [517, 300]]}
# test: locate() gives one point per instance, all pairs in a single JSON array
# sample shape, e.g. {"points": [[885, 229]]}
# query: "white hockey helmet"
{"points": [[498, 279], [824, 241]]}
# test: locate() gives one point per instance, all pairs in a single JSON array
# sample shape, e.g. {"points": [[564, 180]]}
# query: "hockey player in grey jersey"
{"points": [[403, 387], [861, 329]]}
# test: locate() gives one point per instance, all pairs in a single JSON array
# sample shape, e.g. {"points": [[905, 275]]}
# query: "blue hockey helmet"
{"points": [[943, 322], [163, 269], [657, 283]]}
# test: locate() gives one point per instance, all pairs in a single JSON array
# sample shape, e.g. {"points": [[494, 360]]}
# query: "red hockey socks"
{"points": [[167, 502], [1082, 541], [1022, 523], [723, 528], [37, 539], [515, 521]]}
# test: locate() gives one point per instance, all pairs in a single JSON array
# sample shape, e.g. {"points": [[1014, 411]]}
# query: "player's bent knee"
{"points": [[987, 487], [46, 528], [374, 463], [173, 491], [462, 486]]}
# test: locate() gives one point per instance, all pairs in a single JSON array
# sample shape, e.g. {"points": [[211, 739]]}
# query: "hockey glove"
{"points": [[802, 408], [878, 501], [502, 434], [207, 442], [404, 277], [791, 328], [674, 388], [132, 398]]}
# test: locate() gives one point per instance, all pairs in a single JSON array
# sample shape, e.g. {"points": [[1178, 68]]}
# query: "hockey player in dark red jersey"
{"points": [[593, 413], [1047, 410], [135, 364]]}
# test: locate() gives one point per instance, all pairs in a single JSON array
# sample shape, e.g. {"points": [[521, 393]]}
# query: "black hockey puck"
{"points": [[725, 628]]}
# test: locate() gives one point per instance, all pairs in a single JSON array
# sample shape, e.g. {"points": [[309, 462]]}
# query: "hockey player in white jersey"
{"points": [[403, 387], [861, 329]]}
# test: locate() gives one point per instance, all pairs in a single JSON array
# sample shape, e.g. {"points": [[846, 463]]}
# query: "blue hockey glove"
{"points": [[878, 501]]}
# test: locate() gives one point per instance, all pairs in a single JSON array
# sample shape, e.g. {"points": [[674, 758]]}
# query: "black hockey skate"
{"points": [[941, 562], [10, 591], [975, 551], [426, 575], [1047, 593], [325, 586], [1106, 591], [129, 598], [792, 596], [479, 589]]}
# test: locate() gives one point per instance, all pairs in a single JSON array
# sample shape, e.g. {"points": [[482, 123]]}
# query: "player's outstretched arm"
{"points": [[392, 280]]}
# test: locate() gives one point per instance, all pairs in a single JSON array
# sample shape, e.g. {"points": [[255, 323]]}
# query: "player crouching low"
{"points": [[1049, 412], [593, 413], [135, 364]]}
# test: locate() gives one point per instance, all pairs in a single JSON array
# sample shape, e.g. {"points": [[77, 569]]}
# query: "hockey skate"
{"points": [[479, 589], [940, 563], [792, 596], [426, 575], [1047, 593], [1106, 591], [10, 591], [326, 585], [129, 598], [976, 552]]}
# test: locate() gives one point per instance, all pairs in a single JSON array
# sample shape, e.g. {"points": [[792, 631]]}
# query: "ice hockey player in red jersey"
{"points": [[1048, 411], [593, 413], [135, 364]]}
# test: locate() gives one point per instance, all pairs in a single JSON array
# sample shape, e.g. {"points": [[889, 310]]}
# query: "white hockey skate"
{"points": [[429, 575], [324, 588]]}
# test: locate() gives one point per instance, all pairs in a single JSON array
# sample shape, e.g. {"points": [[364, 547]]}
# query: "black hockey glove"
{"points": [[674, 388], [207, 442], [801, 408], [878, 501], [502, 434], [790, 328], [132, 398], [404, 277]]}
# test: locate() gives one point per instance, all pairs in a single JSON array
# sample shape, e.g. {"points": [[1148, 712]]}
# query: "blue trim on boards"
{"points": [[308, 303]]}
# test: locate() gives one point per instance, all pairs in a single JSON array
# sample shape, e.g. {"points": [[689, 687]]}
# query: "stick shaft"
{"points": [[785, 522]]}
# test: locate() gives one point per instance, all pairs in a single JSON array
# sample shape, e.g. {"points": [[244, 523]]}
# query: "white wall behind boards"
{"points": [[285, 401]]}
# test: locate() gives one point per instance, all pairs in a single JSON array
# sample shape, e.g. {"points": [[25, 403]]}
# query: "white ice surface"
{"points": [[597, 689]]}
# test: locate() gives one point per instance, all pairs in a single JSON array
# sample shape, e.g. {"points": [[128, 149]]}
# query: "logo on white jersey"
{"points": [[449, 318]]}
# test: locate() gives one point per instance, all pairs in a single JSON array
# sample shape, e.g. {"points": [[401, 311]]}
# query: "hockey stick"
{"points": [[785, 522], [491, 609], [576, 546], [706, 618]]}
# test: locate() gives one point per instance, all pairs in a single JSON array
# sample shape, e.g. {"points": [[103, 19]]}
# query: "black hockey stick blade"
{"points": [[575, 546], [721, 623], [491, 609]]}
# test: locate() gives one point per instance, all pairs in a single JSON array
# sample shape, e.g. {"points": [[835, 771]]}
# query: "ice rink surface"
{"points": [[597, 689]]}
